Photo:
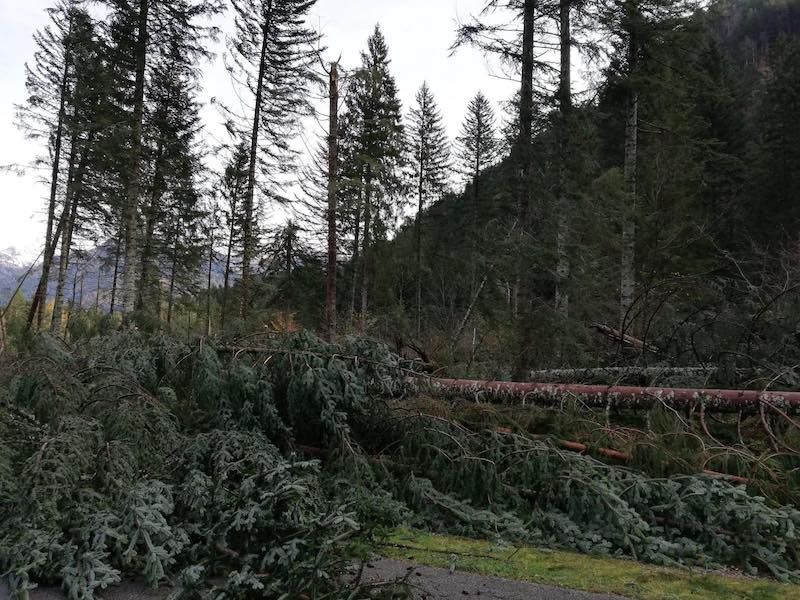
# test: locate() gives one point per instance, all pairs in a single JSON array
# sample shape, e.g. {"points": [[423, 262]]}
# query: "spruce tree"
{"points": [[50, 81], [174, 165], [430, 161], [81, 127], [477, 144], [141, 32], [375, 150], [272, 52]]}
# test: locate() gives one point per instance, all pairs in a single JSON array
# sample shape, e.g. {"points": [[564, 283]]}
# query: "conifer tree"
{"points": [[140, 31], [375, 149], [477, 145], [565, 113], [81, 126], [272, 51], [778, 156], [430, 161], [232, 188], [174, 164], [50, 85], [640, 31]]}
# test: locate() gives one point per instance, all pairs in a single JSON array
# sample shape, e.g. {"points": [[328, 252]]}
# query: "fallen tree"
{"points": [[133, 455], [629, 397]]}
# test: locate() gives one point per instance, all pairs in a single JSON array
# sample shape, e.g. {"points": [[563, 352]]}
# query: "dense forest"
{"points": [[197, 391], [641, 183]]}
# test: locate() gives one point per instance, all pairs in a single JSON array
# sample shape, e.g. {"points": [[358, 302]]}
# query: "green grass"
{"points": [[579, 572]]}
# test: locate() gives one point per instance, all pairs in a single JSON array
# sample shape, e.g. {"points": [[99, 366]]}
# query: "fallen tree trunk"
{"points": [[601, 396], [619, 373]]}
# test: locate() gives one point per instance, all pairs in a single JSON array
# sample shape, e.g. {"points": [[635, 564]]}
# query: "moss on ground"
{"points": [[579, 572]]}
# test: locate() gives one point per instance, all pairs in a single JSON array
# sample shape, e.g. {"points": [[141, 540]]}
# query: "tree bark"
{"points": [[115, 278], [172, 276], [227, 278], [208, 281], [523, 158], [97, 291], [356, 259], [333, 167], [565, 106], [418, 232], [628, 261], [627, 397], [142, 301], [365, 255], [130, 214], [247, 229], [68, 221]]}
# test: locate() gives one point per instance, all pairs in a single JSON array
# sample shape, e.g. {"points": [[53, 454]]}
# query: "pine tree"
{"points": [[477, 144], [430, 161], [272, 51]]}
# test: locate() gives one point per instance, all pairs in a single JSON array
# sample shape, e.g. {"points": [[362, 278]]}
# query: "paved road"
{"points": [[427, 583]]}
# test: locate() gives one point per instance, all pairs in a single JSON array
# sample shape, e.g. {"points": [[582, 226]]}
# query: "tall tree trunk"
{"points": [[37, 305], [131, 217], [67, 219], [365, 253], [75, 177], [627, 267], [143, 301], [418, 233], [333, 167], [356, 259], [115, 278], [71, 304], [248, 243], [172, 277], [80, 291], [97, 291], [565, 106], [63, 267], [228, 257], [208, 283], [521, 301]]}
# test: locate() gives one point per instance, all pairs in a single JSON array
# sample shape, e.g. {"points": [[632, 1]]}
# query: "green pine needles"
{"points": [[258, 470]]}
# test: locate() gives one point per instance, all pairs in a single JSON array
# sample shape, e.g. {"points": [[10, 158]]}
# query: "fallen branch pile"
{"points": [[135, 455]]}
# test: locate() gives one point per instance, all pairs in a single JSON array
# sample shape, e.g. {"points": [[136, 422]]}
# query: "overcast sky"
{"points": [[419, 34]]}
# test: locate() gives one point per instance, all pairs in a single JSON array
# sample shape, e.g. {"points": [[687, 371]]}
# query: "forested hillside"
{"points": [[655, 197], [226, 369]]}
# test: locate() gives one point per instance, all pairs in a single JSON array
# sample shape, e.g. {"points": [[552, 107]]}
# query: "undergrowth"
{"points": [[257, 470]]}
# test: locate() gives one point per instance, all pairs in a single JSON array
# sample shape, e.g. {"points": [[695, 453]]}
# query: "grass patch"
{"points": [[579, 572]]}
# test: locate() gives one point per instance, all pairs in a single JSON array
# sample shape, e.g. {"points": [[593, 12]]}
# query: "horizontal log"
{"points": [[601, 396], [615, 373]]}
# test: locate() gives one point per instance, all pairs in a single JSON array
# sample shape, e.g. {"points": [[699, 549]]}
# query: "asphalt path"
{"points": [[426, 583]]}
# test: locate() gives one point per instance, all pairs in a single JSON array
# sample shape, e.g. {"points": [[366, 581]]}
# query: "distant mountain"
{"points": [[13, 267], [92, 264]]}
